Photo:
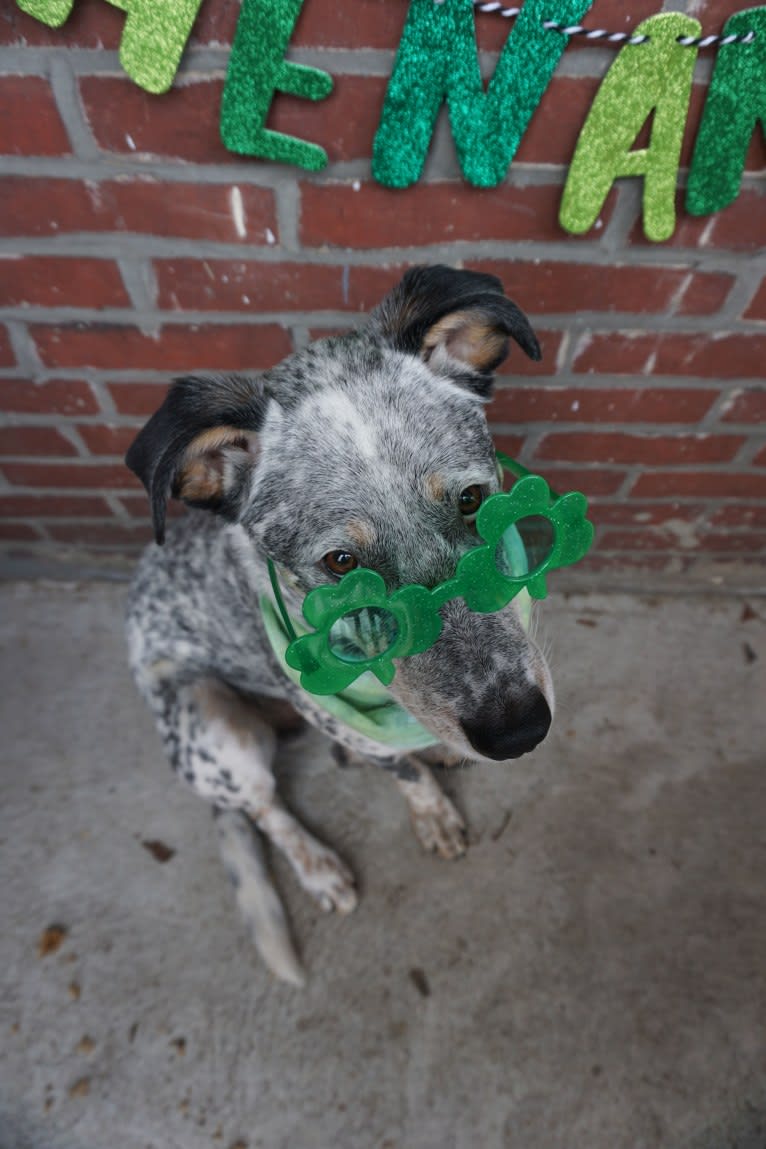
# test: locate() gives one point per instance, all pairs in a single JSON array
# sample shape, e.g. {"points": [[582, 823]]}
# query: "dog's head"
{"points": [[372, 449]]}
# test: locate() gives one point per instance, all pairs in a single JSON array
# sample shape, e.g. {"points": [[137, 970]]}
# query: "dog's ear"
{"points": [[455, 319], [201, 445]]}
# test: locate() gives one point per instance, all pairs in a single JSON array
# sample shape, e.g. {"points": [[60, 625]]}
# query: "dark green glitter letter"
{"points": [[257, 68], [437, 60], [736, 101], [652, 77]]}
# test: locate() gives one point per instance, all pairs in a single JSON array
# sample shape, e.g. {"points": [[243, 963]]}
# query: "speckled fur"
{"points": [[362, 442]]}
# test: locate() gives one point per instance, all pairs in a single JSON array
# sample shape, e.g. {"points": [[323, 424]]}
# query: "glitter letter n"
{"points": [[438, 60]]}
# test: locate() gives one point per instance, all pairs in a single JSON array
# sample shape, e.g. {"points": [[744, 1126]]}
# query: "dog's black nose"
{"points": [[502, 730]]}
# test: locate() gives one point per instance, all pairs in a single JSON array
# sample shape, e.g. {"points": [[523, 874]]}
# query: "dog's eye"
{"points": [[340, 562], [470, 500]]}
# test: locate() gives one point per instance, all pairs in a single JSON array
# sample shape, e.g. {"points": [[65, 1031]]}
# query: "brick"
{"points": [[56, 397], [512, 445], [517, 364], [20, 441], [646, 540], [100, 534], [235, 285], [105, 440], [760, 458], [42, 207], [7, 357], [137, 506], [60, 476], [183, 124], [725, 542], [739, 227], [653, 450], [592, 482], [757, 308], [601, 405], [739, 516], [30, 124], [729, 356], [637, 514], [699, 484], [746, 406], [137, 398], [335, 215], [231, 285], [567, 287], [19, 533], [52, 506], [51, 281], [175, 348], [711, 541], [599, 563], [705, 294]]}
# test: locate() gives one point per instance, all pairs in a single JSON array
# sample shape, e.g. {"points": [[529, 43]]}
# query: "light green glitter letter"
{"points": [[652, 77], [437, 60], [736, 101], [257, 68], [152, 42]]}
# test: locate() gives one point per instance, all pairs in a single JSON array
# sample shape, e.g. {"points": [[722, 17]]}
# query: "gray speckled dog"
{"points": [[370, 450]]}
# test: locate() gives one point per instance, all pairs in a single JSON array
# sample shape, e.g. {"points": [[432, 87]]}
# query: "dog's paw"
{"points": [[329, 880], [440, 829]]}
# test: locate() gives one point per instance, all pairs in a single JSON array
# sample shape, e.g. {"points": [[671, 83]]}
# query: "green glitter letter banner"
{"points": [[257, 68], [437, 60], [652, 77], [736, 101], [153, 39]]}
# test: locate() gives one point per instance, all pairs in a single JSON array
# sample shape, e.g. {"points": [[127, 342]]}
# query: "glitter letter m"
{"points": [[438, 60]]}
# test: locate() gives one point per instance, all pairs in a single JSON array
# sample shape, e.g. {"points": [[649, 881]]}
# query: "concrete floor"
{"points": [[591, 976]]}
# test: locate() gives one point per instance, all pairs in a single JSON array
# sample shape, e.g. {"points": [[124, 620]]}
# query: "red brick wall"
{"points": [[124, 261]]}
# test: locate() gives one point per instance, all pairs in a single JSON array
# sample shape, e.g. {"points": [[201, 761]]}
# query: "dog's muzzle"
{"points": [[502, 729]]}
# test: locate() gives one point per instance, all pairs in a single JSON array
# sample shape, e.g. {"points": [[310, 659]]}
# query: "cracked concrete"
{"points": [[591, 976]]}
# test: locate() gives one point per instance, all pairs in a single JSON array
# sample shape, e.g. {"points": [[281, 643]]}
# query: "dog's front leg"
{"points": [[437, 824], [221, 746]]}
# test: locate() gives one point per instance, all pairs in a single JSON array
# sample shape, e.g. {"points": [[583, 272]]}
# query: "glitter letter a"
{"points": [[152, 42], [736, 101], [652, 77], [257, 68], [438, 60]]}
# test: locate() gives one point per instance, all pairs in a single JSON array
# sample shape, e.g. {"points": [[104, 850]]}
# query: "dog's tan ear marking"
{"points": [[468, 337], [201, 476], [442, 314], [200, 445]]}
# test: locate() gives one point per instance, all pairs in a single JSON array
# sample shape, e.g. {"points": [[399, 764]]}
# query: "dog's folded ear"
{"points": [[459, 321], [201, 445]]}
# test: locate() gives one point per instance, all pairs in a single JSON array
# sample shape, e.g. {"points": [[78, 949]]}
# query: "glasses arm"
{"points": [[517, 469], [281, 602]]}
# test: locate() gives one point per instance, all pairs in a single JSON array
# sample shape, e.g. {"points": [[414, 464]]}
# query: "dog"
{"points": [[370, 450]]}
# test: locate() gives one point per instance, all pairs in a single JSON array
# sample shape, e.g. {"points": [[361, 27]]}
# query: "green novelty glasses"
{"points": [[359, 626]]}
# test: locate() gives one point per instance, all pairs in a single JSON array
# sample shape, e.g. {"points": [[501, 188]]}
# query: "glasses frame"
{"points": [[415, 609]]}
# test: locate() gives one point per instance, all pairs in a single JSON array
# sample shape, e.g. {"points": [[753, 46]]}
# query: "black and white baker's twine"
{"points": [[604, 34]]}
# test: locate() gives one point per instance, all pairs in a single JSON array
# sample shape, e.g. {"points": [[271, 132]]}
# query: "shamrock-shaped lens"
{"points": [[489, 576], [362, 635], [538, 537], [360, 626]]}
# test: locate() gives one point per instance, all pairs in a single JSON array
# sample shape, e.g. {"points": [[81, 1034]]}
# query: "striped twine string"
{"points": [[611, 37]]}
